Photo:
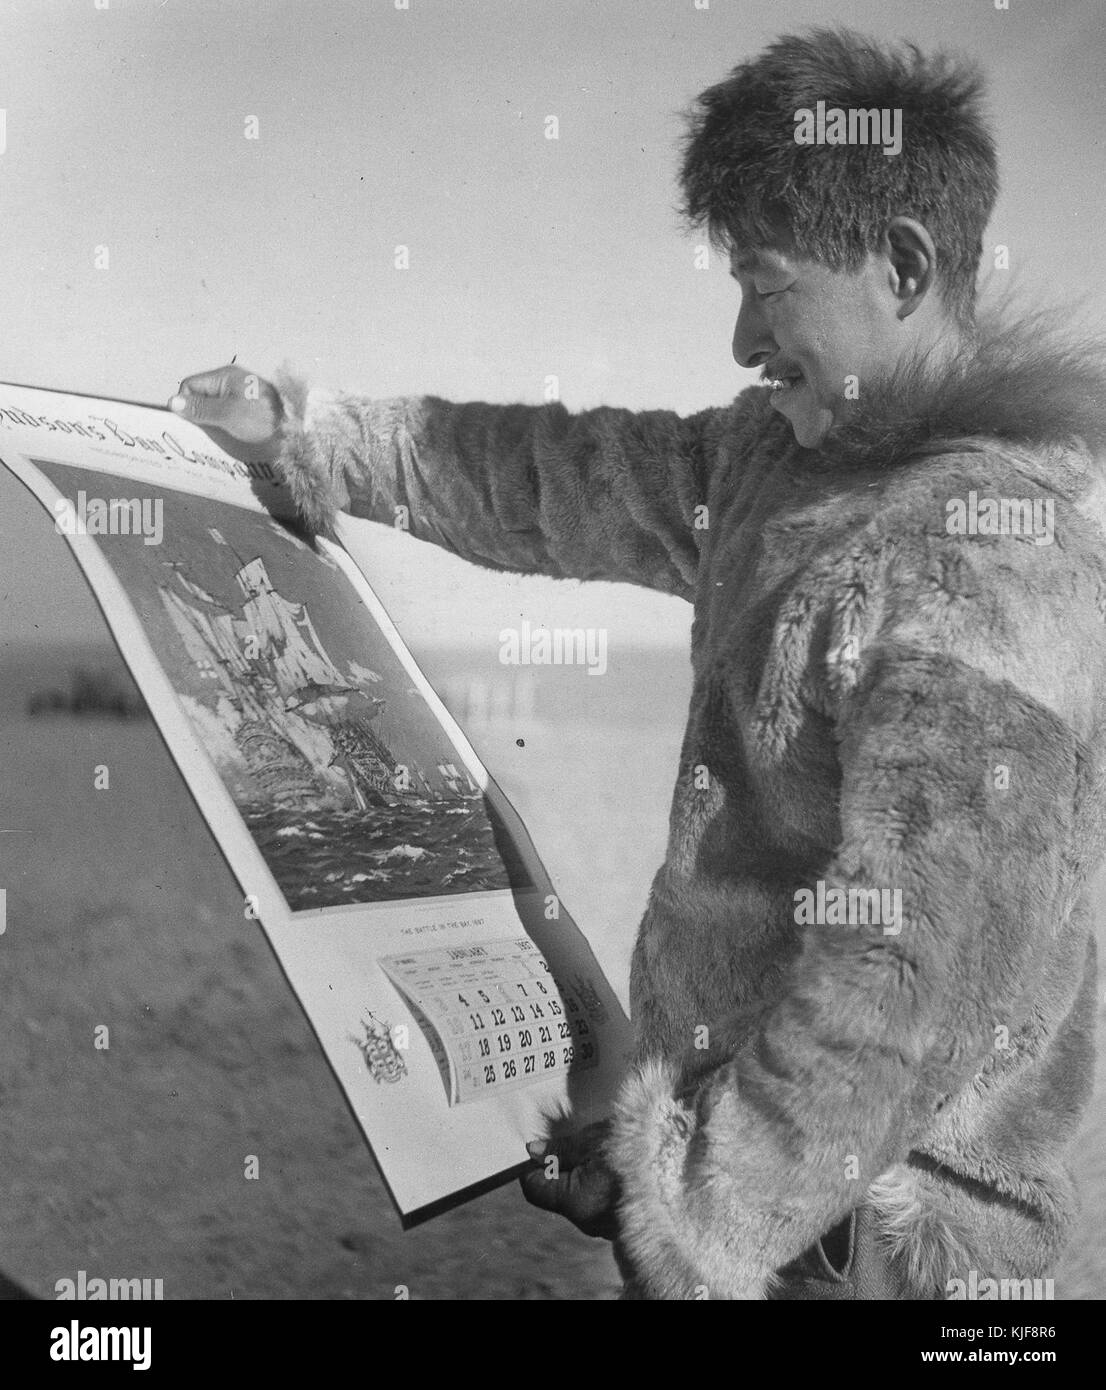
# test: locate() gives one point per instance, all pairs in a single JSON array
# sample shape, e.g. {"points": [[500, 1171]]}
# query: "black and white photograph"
{"points": [[673, 619]]}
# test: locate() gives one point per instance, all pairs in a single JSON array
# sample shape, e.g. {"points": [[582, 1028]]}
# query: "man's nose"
{"points": [[752, 343]]}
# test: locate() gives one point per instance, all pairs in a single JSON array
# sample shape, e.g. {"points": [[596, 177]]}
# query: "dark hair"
{"points": [[746, 178]]}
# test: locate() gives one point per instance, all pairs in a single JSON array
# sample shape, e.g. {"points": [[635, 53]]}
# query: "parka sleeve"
{"points": [[603, 494], [728, 1179]]}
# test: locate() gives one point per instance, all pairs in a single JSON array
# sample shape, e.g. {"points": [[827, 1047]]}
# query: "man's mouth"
{"points": [[782, 382]]}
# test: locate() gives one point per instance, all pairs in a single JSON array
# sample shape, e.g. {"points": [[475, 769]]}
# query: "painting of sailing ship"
{"points": [[347, 782]]}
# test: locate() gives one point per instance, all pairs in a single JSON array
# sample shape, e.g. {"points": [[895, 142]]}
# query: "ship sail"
{"points": [[284, 634], [303, 727]]}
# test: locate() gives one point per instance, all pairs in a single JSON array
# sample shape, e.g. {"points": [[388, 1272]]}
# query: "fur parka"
{"points": [[889, 695]]}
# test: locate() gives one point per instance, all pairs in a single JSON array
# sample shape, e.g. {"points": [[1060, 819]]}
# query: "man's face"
{"points": [[827, 335]]}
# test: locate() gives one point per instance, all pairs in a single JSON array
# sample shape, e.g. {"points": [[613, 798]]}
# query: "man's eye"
{"points": [[769, 294]]}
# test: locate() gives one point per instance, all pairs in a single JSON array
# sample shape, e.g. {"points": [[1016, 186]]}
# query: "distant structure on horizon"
{"points": [[91, 692]]}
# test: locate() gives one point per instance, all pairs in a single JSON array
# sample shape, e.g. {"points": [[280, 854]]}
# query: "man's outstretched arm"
{"points": [[602, 494]]}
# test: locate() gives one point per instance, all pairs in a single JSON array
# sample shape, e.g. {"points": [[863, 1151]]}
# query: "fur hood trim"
{"points": [[1024, 380]]}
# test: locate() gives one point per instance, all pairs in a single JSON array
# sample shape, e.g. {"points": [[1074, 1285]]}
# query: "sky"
{"points": [[425, 127]]}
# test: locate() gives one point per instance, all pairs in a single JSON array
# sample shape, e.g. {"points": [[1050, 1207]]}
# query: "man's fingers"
{"points": [[232, 404], [586, 1196], [208, 398], [203, 407], [216, 382], [541, 1191], [581, 1194], [570, 1147], [201, 410]]}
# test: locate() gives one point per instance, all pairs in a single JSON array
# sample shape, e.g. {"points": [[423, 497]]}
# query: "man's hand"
{"points": [[240, 410], [570, 1176]]}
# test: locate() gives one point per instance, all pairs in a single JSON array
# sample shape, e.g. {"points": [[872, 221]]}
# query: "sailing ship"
{"points": [[304, 730]]}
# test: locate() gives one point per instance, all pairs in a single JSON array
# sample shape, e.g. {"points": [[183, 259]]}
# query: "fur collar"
{"points": [[1021, 380]]}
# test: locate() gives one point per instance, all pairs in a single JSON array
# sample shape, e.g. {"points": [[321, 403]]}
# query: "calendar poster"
{"points": [[455, 999]]}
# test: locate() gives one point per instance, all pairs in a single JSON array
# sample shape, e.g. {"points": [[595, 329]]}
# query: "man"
{"points": [[863, 990]]}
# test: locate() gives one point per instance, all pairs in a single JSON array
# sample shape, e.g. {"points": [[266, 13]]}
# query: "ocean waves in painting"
{"points": [[380, 854]]}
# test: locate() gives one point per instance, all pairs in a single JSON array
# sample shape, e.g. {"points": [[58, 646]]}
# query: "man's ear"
{"points": [[912, 258]]}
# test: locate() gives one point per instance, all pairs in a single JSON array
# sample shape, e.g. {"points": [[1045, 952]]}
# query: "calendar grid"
{"points": [[500, 1016]]}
